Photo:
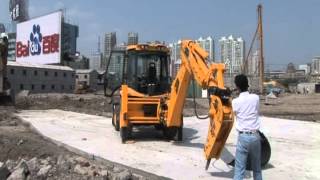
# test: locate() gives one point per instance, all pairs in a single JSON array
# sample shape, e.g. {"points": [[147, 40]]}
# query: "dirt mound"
{"points": [[293, 106], [88, 104]]}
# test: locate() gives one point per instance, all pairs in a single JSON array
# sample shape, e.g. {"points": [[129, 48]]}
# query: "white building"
{"points": [[175, 58], [315, 66], [95, 60], [305, 67], [206, 43], [253, 64], [232, 53], [87, 77]]}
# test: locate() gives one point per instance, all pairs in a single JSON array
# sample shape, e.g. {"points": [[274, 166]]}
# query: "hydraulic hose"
{"points": [[195, 103]]}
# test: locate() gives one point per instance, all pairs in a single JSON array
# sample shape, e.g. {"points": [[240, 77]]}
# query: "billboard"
{"points": [[19, 10], [39, 40]]}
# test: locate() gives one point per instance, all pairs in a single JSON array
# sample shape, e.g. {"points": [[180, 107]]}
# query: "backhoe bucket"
{"points": [[221, 122]]}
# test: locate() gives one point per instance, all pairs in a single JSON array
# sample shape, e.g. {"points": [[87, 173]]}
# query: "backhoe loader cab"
{"points": [[147, 69]]}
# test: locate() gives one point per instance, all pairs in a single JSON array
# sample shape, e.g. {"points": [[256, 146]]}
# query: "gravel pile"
{"points": [[63, 167]]}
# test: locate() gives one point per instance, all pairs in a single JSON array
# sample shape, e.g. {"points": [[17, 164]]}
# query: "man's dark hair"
{"points": [[241, 82]]}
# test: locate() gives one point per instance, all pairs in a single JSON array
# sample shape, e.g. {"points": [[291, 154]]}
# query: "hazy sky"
{"points": [[291, 27]]}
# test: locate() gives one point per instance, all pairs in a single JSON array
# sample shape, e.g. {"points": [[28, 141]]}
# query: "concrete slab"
{"points": [[295, 146]]}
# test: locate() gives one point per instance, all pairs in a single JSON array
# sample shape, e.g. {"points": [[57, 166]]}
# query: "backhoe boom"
{"points": [[194, 65]]}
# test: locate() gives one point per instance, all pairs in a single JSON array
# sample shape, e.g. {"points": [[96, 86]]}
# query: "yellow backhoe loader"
{"points": [[146, 95]]}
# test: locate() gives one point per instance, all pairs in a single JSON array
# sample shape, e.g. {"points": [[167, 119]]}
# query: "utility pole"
{"points": [[261, 57]]}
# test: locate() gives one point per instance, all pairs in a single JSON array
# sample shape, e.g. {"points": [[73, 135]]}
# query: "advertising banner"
{"points": [[39, 40]]}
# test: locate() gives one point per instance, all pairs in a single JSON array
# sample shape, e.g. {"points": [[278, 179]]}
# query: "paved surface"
{"points": [[295, 146]]}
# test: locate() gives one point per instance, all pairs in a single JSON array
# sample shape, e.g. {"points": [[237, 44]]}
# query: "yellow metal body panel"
{"points": [[132, 107]]}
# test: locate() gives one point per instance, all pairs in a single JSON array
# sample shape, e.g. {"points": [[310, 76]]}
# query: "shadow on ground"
{"points": [[227, 157], [150, 133]]}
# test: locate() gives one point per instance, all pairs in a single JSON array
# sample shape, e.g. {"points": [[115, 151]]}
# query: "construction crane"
{"points": [[147, 96], [257, 38]]}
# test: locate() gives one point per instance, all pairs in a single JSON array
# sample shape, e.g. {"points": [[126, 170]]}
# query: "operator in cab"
{"points": [[246, 109]]}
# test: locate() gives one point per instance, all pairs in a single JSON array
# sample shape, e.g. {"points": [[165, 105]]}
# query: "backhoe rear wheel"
{"points": [[180, 131], [170, 132]]}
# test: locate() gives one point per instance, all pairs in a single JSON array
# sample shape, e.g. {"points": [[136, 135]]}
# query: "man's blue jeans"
{"points": [[248, 145]]}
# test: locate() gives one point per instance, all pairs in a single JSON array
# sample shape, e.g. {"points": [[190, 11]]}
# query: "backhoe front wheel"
{"points": [[116, 117], [124, 133]]}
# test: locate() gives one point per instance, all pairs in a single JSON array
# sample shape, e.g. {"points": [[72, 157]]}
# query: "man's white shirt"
{"points": [[246, 108]]}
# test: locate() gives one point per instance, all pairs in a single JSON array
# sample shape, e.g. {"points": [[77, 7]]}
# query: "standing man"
{"points": [[246, 109]]}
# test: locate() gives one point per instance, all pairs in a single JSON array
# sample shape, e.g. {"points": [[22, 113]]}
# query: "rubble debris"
{"points": [[43, 172], [4, 171], [63, 167]]}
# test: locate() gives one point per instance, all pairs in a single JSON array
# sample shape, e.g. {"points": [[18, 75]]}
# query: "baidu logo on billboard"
{"points": [[38, 40]]}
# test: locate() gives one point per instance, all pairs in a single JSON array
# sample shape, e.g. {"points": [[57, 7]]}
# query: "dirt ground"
{"points": [[18, 141], [293, 106], [286, 106], [26, 154], [88, 104]]}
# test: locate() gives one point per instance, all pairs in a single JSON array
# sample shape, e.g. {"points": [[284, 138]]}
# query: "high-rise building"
{"points": [[133, 38], [19, 10], [95, 60], [232, 53], [110, 41], [2, 28], [12, 46], [175, 58], [208, 45], [96, 57], [253, 64], [306, 68], [70, 33], [115, 68], [315, 66]]}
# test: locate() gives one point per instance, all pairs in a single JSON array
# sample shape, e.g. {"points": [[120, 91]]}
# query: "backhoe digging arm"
{"points": [[194, 64]]}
